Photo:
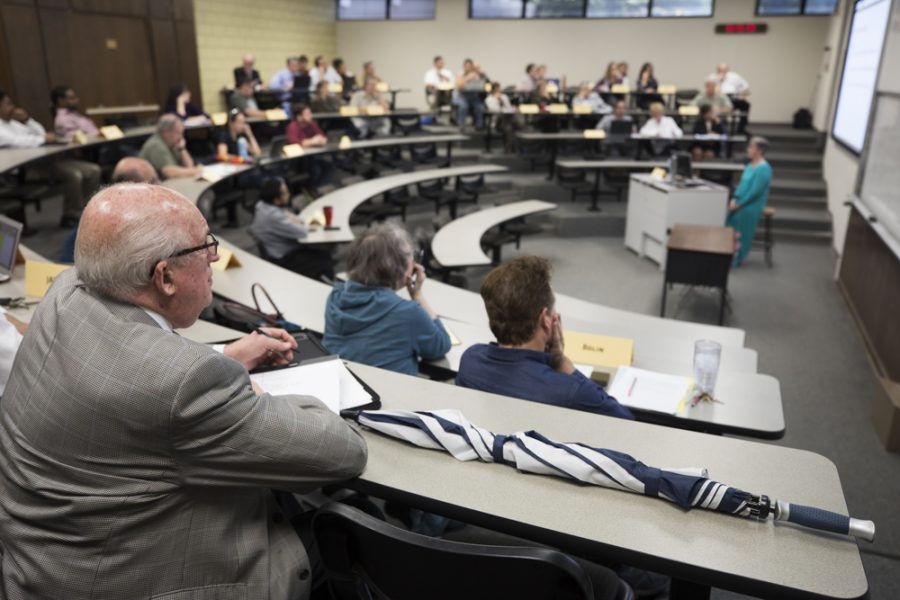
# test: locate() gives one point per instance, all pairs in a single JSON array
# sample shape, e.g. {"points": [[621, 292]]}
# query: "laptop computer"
{"points": [[621, 127], [10, 234]]}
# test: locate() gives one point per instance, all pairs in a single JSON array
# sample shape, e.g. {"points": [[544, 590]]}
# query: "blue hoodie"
{"points": [[375, 326]]}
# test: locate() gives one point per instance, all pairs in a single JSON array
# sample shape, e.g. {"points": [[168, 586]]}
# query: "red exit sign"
{"points": [[742, 28]]}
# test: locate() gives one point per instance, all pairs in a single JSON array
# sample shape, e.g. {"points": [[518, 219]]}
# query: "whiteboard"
{"points": [[880, 190]]}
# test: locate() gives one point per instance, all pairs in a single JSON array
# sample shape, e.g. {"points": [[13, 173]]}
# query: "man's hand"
{"points": [[416, 281], [254, 350], [19, 114], [556, 348], [50, 138], [732, 206]]}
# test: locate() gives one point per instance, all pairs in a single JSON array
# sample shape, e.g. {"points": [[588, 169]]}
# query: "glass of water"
{"points": [[706, 365]]}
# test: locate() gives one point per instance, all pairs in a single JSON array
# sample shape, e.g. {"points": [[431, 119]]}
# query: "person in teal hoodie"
{"points": [[367, 321], [750, 197]]}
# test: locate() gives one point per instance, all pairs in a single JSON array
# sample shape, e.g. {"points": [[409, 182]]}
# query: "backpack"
{"points": [[803, 119]]}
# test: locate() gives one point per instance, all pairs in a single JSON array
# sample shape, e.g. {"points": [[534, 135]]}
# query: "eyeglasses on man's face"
{"points": [[211, 247]]}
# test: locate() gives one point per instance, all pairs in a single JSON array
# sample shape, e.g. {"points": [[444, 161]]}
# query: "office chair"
{"points": [[366, 558], [434, 191], [427, 155]]}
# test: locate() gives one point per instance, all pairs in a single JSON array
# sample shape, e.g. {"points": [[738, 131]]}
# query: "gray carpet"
{"points": [[794, 317]]}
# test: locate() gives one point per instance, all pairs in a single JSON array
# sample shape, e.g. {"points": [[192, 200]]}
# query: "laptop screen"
{"points": [[9, 241]]}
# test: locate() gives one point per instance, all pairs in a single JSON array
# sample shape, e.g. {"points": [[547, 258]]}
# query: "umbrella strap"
{"points": [[651, 483], [497, 449]]}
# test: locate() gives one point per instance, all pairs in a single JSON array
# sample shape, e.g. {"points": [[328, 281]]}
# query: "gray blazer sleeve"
{"points": [[224, 434]]}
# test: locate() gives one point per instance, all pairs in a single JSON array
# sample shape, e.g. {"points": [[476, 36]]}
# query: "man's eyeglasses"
{"points": [[211, 242]]}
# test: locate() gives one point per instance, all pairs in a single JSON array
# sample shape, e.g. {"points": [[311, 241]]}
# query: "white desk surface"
{"points": [[589, 165], [579, 135], [458, 243], [743, 555], [346, 199]]}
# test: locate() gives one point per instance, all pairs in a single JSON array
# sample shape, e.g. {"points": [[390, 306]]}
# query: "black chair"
{"points": [[427, 155], [434, 191], [405, 125], [368, 559], [574, 180]]}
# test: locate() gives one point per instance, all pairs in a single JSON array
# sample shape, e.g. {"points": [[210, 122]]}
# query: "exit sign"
{"points": [[742, 28]]}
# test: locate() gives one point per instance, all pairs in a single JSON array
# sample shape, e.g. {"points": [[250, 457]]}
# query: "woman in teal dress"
{"points": [[750, 197]]}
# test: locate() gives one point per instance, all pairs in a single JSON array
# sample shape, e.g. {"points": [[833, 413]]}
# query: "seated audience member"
{"points": [[622, 68], [277, 229], [659, 125], [283, 79], [750, 197], [528, 360], [618, 114], [322, 71], [647, 87], [168, 427], [348, 78], [368, 73], [587, 97], [363, 100], [67, 120], [324, 101], [527, 84], [167, 152], [305, 131], [710, 96], [129, 169], [505, 122], [438, 84], [736, 88], [302, 81], [179, 103], [228, 143], [469, 92], [11, 332], [620, 146], [610, 78], [243, 100], [366, 321], [248, 72], [707, 124], [79, 178]]}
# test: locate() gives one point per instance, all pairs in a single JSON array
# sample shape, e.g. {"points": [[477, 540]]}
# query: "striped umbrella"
{"points": [[531, 452]]}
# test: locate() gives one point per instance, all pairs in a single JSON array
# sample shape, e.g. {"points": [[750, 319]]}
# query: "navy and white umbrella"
{"points": [[531, 452]]}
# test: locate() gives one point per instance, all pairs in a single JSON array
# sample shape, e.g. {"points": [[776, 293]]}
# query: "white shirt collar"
{"points": [[160, 320]]}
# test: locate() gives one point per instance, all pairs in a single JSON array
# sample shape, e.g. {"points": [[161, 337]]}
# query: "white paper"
{"points": [[585, 370], [648, 390], [328, 380]]}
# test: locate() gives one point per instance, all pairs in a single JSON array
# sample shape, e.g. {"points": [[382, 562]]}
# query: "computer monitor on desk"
{"points": [[680, 167], [10, 233]]}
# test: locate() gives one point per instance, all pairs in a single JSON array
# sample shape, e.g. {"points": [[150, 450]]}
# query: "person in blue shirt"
{"points": [[366, 321], [529, 361], [750, 197]]}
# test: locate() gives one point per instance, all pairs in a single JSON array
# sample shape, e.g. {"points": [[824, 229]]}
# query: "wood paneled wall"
{"points": [[112, 52]]}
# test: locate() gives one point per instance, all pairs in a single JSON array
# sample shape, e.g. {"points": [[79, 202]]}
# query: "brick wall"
{"points": [[270, 29]]}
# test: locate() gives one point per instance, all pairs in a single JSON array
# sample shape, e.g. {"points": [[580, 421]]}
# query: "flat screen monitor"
{"points": [[10, 233], [680, 166]]}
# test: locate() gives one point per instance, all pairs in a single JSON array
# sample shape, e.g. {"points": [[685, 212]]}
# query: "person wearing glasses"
{"points": [[367, 321], [154, 457]]}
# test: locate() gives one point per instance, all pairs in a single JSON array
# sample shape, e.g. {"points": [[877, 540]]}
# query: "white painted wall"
{"points": [[781, 65]]}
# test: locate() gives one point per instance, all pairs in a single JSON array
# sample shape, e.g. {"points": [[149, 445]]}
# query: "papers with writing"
{"points": [[328, 380], [648, 390]]}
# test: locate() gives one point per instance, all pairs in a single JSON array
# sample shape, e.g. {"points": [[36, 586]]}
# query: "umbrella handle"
{"points": [[817, 518]]}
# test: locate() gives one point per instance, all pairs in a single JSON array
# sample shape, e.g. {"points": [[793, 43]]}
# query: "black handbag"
{"points": [[244, 318]]}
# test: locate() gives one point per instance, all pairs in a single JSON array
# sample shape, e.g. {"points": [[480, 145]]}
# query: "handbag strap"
{"points": [[277, 314]]}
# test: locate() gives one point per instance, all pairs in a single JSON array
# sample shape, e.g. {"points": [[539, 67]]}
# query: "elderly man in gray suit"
{"points": [[135, 463]]}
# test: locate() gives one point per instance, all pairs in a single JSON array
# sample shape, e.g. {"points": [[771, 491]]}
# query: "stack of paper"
{"points": [[327, 379], [648, 390]]}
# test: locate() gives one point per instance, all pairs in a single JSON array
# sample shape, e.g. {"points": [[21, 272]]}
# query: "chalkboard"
{"points": [[880, 190]]}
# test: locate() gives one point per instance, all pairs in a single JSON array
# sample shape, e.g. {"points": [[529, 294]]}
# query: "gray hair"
{"points": [[761, 143], [379, 257], [120, 263], [167, 122]]}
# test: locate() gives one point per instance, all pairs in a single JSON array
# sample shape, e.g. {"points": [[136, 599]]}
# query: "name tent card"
{"points": [[594, 134], [446, 86], [666, 89], [375, 111], [689, 110], [345, 143], [276, 114], [39, 275], [292, 150], [605, 353], [558, 109], [659, 173], [111, 132], [227, 260], [349, 111], [582, 109], [382, 86], [219, 118], [529, 109], [79, 138], [619, 88], [335, 88]]}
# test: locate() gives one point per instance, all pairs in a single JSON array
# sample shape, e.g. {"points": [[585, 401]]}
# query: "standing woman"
{"points": [[750, 197], [366, 321]]}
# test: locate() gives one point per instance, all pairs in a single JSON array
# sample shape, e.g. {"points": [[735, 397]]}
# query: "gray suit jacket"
{"points": [[135, 463]]}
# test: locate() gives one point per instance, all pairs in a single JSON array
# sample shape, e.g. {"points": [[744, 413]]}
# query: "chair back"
{"points": [[278, 144], [423, 153], [471, 184], [430, 189], [381, 561]]}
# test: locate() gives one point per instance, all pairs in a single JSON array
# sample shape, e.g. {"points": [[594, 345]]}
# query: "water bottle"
{"points": [[242, 149], [706, 365]]}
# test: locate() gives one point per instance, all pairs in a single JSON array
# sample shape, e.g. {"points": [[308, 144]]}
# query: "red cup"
{"points": [[329, 213]]}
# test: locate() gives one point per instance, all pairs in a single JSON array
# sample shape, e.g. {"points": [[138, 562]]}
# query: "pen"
{"points": [[272, 337], [631, 389]]}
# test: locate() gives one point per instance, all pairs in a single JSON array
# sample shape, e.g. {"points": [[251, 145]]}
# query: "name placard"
{"points": [[552, 88], [659, 173], [445, 86], [375, 110], [219, 118], [529, 109], [39, 275], [594, 134], [227, 260], [292, 150], [79, 137], [345, 143], [111, 132], [558, 109], [349, 111], [582, 109], [666, 89], [619, 88], [689, 110], [335, 88], [382, 86], [276, 114]]}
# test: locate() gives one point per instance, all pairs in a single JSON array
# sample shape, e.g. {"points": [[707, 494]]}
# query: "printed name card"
{"points": [[619, 88], [219, 118], [344, 143], [594, 134], [487, 88], [528, 109], [349, 111], [382, 86], [558, 109], [276, 114], [446, 86], [666, 89], [39, 275], [552, 89], [335, 88], [79, 137], [659, 173], [111, 132], [292, 150], [376, 111], [689, 110], [582, 109], [227, 260]]}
